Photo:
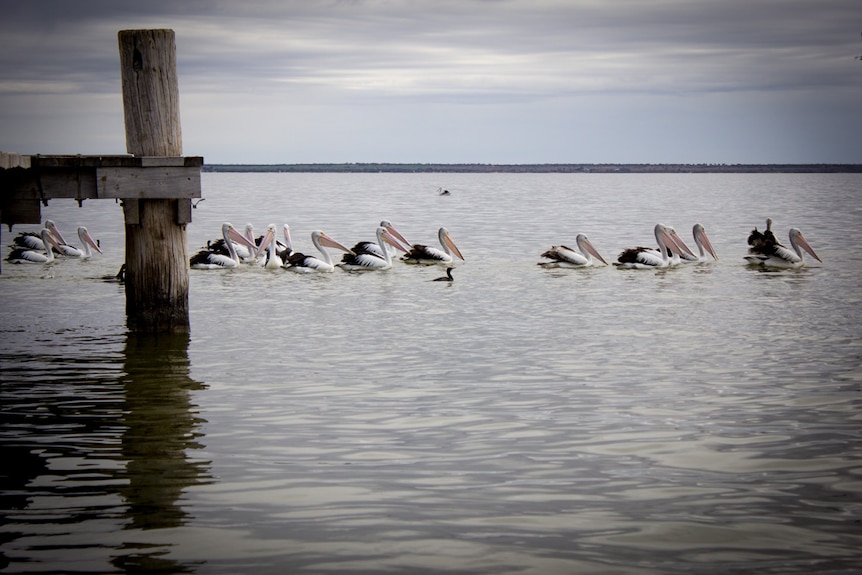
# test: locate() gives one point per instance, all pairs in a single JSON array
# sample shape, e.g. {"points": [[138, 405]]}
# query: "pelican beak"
{"points": [[803, 243], [327, 241], [398, 237], [55, 232], [89, 239], [268, 238], [681, 246], [392, 240], [588, 245], [454, 248], [241, 239], [55, 243], [707, 245]]}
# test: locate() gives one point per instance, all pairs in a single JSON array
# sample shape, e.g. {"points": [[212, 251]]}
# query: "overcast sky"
{"points": [[463, 81]]}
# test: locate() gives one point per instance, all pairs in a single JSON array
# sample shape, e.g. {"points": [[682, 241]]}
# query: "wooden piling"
{"points": [[157, 281]]}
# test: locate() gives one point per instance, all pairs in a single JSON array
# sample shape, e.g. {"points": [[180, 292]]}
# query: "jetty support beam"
{"points": [[157, 279]]}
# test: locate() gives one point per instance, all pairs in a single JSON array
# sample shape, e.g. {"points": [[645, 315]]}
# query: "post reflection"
{"points": [[161, 427]]}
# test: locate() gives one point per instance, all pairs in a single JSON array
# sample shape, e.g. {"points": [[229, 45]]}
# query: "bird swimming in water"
{"points": [[447, 278]]}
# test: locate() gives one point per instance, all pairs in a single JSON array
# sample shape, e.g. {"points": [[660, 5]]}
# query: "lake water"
{"points": [[701, 419]]}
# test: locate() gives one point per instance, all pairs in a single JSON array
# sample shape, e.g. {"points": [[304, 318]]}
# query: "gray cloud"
{"points": [[539, 66]]}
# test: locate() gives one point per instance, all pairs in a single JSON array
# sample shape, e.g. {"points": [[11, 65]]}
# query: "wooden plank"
{"points": [[148, 183], [184, 211]]}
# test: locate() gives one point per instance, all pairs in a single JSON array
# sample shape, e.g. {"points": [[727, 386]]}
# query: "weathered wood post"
{"points": [[157, 281]]}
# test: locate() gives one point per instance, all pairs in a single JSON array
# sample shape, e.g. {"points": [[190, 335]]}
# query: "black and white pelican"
{"points": [[373, 248], [775, 255], [565, 257], [87, 242], [301, 263], [243, 251], [212, 258], [354, 262], [33, 240], [650, 258], [36, 256], [704, 246], [422, 254]]}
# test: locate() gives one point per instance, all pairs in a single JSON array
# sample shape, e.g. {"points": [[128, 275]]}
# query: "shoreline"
{"points": [[540, 168]]}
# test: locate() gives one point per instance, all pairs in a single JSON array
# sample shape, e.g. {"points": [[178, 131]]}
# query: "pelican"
{"points": [[87, 242], [209, 259], [369, 262], [31, 256], [33, 240], [650, 258], [565, 257], [301, 263], [272, 260], [447, 278], [242, 249], [775, 255], [704, 246], [373, 248], [420, 253]]}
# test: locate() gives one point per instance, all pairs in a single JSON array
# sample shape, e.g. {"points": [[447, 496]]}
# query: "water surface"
{"points": [[519, 420]]}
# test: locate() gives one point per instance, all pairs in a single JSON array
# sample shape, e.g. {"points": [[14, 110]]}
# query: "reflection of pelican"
{"points": [[420, 253], [447, 278], [370, 262], [565, 257], [703, 246], [775, 255], [299, 262], [87, 242], [211, 259], [650, 258], [32, 256]]}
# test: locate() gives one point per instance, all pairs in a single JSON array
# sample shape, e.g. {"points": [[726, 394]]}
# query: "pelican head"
{"points": [[446, 240], [797, 239]]}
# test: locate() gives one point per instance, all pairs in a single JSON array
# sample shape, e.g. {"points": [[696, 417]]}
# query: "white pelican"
{"points": [[650, 258], [33, 240], [299, 262], [420, 253], [775, 255], [32, 256], [369, 262], [565, 257], [704, 246], [214, 258], [272, 260], [373, 248], [87, 242]]}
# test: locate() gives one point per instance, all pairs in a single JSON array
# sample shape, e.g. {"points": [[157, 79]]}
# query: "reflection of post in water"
{"points": [[161, 426]]}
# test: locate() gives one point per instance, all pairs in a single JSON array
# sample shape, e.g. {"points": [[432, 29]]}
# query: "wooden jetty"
{"points": [[154, 181]]}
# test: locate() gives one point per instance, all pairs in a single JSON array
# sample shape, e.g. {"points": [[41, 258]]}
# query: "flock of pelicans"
{"points": [[269, 251]]}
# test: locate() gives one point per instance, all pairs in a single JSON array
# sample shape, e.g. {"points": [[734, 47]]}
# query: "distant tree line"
{"points": [[538, 168]]}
